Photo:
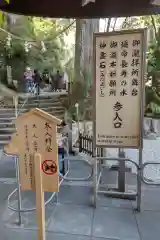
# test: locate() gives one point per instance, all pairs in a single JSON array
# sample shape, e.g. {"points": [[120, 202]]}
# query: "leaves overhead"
{"points": [[153, 58], [34, 32]]}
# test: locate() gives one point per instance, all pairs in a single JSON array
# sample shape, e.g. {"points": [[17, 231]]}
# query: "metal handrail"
{"points": [[146, 180], [29, 209], [118, 159], [53, 194], [77, 179], [20, 209], [26, 100]]}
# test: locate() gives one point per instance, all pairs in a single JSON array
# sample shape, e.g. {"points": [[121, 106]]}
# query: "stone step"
{"points": [[8, 118], [7, 132], [35, 103], [11, 114], [41, 100], [3, 118], [6, 124], [7, 129], [3, 142], [5, 136], [44, 107], [42, 104], [26, 107], [54, 99], [5, 115], [49, 96], [8, 108], [12, 129]]}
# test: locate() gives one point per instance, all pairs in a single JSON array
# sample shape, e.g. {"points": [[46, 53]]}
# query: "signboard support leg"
{"points": [[39, 198], [70, 135], [94, 177], [18, 191], [121, 171], [139, 181]]}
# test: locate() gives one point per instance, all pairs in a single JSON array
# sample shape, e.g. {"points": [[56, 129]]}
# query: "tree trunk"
{"points": [[108, 24], [77, 63]]}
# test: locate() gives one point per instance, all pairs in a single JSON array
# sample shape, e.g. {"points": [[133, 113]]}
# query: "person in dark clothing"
{"points": [[45, 76], [53, 84], [57, 80], [37, 80]]}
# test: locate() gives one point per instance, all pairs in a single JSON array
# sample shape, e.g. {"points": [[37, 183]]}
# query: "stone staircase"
{"points": [[50, 104]]}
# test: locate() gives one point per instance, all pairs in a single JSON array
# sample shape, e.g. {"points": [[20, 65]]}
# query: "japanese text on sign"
{"points": [[118, 88], [48, 137], [28, 157]]}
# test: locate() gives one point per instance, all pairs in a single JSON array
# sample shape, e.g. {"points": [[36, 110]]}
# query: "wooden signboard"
{"points": [[119, 59], [37, 134]]}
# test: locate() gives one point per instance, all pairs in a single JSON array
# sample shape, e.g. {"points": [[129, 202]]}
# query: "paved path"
{"points": [[73, 218]]}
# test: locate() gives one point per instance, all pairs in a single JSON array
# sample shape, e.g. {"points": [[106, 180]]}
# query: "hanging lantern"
{"points": [[156, 2], [43, 48], [8, 41], [29, 46], [26, 46], [85, 2]]}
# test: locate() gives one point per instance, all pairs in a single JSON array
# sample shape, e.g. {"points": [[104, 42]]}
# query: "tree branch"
{"points": [[114, 25], [108, 24], [105, 25], [33, 41], [154, 27]]}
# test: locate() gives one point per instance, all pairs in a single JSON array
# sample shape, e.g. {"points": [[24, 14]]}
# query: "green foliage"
{"points": [[69, 68], [153, 60], [143, 21], [130, 23], [154, 54], [34, 31], [78, 95], [154, 57]]}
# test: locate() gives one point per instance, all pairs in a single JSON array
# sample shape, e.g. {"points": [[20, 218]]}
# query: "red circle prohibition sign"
{"points": [[49, 167]]}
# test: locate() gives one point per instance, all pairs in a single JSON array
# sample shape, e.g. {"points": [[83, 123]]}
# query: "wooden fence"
{"points": [[86, 145]]}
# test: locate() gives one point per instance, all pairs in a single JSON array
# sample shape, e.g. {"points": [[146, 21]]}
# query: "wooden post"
{"points": [[40, 208]]}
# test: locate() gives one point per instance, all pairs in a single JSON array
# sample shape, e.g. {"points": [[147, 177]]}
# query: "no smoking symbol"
{"points": [[49, 167]]}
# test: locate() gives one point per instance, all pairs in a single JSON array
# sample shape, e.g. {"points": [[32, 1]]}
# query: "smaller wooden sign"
{"points": [[37, 134], [12, 147]]}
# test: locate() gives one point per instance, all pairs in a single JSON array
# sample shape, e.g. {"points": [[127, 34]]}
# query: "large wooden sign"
{"points": [[37, 134], [118, 88]]}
